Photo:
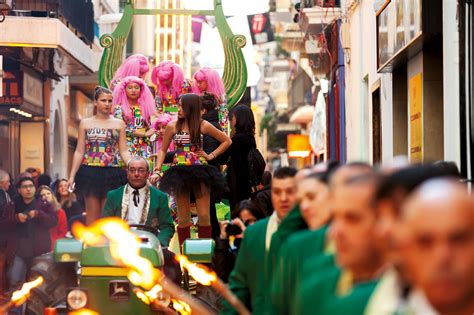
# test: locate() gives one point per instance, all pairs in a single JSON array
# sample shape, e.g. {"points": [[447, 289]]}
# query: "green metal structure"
{"points": [[235, 69]]}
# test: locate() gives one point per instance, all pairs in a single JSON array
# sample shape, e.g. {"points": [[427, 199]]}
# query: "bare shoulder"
{"points": [[86, 122], [119, 123]]}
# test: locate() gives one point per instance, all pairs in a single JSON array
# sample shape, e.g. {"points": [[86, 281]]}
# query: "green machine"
{"points": [[78, 276], [103, 285], [235, 69]]}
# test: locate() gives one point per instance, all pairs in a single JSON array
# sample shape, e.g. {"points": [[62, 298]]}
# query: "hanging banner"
{"points": [[260, 28], [416, 118]]}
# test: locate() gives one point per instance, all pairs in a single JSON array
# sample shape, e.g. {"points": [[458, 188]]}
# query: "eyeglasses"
{"points": [[27, 186], [140, 171]]}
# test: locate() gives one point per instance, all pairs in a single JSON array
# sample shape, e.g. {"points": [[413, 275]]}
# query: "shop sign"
{"points": [[12, 88], [33, 90], [260, 28]]}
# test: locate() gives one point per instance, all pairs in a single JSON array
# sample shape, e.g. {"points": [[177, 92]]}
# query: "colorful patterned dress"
{"points": [[169, 104], [100, 169], [189, 171], [139, 146]]}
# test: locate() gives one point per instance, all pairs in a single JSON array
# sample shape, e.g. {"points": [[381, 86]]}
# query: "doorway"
{"points": [[376, 127]]}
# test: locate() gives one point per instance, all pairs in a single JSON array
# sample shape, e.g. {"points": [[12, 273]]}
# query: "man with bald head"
{"points": [[438, 245]]}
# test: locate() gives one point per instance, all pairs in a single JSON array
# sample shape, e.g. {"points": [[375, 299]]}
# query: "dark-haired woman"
{"points": [[68, 202], [190, 171], [95, 166], [243, 140]]}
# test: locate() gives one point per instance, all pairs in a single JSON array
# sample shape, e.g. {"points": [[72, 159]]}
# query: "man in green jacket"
{"points": [[344, 287], [139, 203], [247, 279]]}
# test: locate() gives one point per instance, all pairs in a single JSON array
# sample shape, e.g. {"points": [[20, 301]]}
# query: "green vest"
{"points": [[159, 214]]}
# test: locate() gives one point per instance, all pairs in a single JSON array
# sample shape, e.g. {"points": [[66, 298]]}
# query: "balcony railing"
{"points": [[76, 14]]}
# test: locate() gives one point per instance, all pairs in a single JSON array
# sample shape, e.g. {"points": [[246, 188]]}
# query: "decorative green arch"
{"points": [[235, 69]]}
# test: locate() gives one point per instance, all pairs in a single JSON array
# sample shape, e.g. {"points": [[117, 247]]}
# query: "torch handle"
{"points": [[230, 297], [178, 293]]}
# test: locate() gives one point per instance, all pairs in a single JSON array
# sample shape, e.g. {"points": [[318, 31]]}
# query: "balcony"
{"points": [[77, 15]]}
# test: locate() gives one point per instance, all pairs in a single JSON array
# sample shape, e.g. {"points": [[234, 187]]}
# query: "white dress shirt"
{"points": [[135, 213], [272, 227]]}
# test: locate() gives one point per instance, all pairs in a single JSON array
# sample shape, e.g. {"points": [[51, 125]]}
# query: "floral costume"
{"points": [[138, 146]]}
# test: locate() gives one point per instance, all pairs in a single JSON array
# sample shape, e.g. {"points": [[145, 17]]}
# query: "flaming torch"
{"points": [[209, 278], [20, 296], [125, 248]]}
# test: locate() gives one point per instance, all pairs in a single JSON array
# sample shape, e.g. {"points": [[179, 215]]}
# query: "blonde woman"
{"points": [[60, 230]]}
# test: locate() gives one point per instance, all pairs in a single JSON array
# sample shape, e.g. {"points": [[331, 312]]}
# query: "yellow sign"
{"points": [[416, 118]]}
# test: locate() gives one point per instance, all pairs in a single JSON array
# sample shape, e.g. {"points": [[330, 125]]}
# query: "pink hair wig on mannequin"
{"points": [[145, 100], [213, 79], [164, 71], [135, 65]]}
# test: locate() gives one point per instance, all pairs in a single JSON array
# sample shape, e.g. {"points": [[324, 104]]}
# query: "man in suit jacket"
{"points": [[247, 280], [139, 203]]}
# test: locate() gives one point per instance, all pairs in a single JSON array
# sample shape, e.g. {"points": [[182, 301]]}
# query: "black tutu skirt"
{"points": [[187, 179], [98, 181]]}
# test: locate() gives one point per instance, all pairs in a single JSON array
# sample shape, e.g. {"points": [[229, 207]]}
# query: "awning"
{"points": [[49, 33], [303, 115]]}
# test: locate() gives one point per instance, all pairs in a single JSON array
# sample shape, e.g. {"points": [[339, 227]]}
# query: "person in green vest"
{"points": [[437, 245], [345, 287], [247, 279], [307, 245]]}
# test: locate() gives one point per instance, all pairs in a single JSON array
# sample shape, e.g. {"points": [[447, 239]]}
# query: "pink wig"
{"points": [[168, 70], [145, 100], [214, 82], [163, 119], [135, 65]]}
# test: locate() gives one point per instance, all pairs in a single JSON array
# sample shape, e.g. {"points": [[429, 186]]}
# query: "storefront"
{"points": [[22, 120], [410, 46]]}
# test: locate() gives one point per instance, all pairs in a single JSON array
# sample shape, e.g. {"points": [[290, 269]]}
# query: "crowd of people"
{"points": [[352, 239], [328, 239]]}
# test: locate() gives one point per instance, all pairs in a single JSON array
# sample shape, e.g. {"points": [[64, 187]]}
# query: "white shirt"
{"points": [[135, 213], [272, 227]]}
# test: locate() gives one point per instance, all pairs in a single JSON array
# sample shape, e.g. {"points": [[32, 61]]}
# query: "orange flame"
{"points": [[19, 297], [124, 247], [181, 307], [199, 273], [149, 297]]}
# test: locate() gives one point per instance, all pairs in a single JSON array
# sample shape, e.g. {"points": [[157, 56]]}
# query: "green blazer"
{"points": [[317, 295], [159, 214], [247, 278], [300, 256]]}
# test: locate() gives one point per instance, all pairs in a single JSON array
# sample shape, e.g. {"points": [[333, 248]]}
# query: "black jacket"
{"points": [[209, 143], [263, 200], [32, 237], [238, 170]]}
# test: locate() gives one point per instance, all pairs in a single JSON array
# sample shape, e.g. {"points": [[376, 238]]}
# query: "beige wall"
{"points": [[31, 145]]}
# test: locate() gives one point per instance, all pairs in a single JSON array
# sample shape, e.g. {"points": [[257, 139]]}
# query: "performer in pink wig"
{"points": [[134, 104], [135, 65], [209, 80], [169, 80], [160, 125]]}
